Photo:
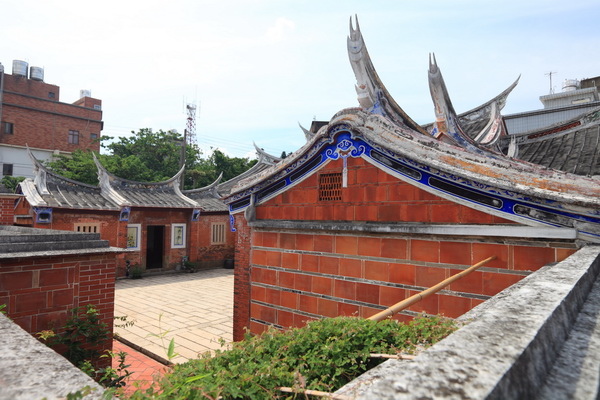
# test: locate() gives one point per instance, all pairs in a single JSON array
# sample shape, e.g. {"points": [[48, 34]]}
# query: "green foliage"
{"points": [[162, 334], [79, 166], [11, 182], [113, 377], [149, 156], [190, 266], [324, 356], [137, 272], [80, 335], [79, 338]]}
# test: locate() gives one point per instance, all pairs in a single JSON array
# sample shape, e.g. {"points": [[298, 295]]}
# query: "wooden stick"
{"points": [[394, 356], [315, 393], [388, 312]]}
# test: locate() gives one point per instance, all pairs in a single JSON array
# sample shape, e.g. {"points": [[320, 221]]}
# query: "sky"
{"points": [[255, 69]]}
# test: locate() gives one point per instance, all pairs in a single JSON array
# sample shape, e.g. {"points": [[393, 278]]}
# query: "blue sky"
{"points": [[255, 68]]}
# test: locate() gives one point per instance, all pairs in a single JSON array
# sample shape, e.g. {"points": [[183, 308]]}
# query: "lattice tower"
{"points": [[190, 128]]}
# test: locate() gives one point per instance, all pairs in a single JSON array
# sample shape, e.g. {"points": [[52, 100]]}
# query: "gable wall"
{"points": [[295, 275], [203, 251], [371, 195]]}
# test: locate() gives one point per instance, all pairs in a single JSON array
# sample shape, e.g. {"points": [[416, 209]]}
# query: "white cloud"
{"points": [[280, 30]]}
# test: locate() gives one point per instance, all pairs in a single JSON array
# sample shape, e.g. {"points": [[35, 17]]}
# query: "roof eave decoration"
{"points": [[175, 184], [307, 134], [372, 94], [499, 101], [517, 191], [265, 160], [40, 172], [264, 157], [28, 188], [210, 189], [107, 191], [446, 127]]}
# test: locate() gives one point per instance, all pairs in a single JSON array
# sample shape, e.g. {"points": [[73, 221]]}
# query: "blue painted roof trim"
{"points": [[342, 143]]}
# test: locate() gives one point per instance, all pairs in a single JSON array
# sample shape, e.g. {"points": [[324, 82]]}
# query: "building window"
{"points": [[178, 236], [8, 128], [217, 233], [87, 228], [43, 215], [7, 169], [134, 236], [74, 137], [330, 186], [51, 95], [93, 136]]}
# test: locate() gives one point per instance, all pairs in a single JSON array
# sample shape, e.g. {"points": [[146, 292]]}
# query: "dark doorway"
{"points": [[155, 246]]}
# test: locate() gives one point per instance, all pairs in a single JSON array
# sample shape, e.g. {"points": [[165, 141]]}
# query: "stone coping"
{"points": [[507, 347], [510, 230], [18, 242], [32, 370], [49, 253]]}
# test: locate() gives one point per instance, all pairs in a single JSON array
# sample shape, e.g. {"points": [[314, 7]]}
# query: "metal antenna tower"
{"points": [[190, 127], [549, 74]]}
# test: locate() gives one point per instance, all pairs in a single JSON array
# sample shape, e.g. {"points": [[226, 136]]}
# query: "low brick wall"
{"points": [[40, 291], [297, 275]]}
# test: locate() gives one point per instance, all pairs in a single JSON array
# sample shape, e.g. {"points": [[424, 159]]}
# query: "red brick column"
{"points": [[7, 208], [241, 282]]}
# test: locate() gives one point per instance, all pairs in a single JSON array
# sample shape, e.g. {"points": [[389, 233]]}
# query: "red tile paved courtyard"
{"points": [[144, 370]]}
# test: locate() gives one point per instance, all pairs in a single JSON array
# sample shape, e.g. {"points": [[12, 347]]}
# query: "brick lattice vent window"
{"points": [[330, 187]]}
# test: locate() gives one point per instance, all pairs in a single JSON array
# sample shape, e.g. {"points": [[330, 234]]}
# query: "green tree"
{"points": [[230, 166], [79, 166], [159, 154], [149, 156], [11, 182]]}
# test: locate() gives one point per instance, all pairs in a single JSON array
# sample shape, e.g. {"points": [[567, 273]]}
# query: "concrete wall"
{"points": [[31, 370]]}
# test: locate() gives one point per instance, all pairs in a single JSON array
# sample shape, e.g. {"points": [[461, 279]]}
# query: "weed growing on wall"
{"points": [[78, 342], [324, 355]]}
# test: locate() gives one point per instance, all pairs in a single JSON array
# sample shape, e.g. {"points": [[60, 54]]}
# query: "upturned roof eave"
{"points": [[506, 174]]}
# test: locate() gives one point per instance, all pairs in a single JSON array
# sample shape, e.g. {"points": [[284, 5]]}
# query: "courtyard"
{"points": [[196, 310]]}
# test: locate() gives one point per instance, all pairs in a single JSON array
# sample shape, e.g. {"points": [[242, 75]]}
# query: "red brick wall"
{"points": [[44, 123], [30, 87], [198, 247], [297, 275], [371, 195], [40, 291], [201, 248], [241, 282], [7, 209]]}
